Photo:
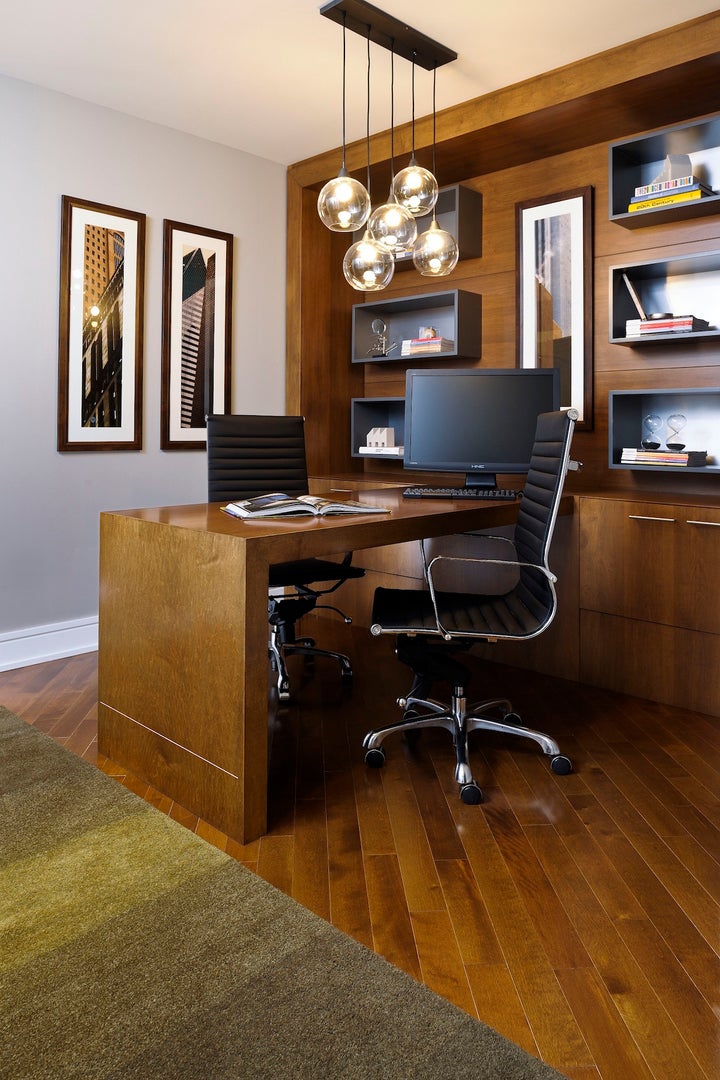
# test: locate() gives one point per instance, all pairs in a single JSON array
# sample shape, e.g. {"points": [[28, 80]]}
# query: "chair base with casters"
{"points": [[460, 719], [455, 611], [282, 616]]}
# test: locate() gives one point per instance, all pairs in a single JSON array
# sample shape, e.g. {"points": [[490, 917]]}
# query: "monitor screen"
{"points": [[475, 421]]}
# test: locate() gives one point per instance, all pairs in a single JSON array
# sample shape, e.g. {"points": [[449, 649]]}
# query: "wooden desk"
{"points": [[183, 636]]}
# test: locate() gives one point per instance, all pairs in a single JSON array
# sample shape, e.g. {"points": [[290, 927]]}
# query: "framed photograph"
{"points": [[555, 323], [102, 264], [196, 332]]}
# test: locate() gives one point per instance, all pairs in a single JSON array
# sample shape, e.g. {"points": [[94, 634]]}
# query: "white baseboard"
{"points": [[36, 644]]}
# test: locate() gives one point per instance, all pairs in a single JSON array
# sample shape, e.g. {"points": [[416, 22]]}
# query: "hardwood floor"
{"points": [[578, 915]]}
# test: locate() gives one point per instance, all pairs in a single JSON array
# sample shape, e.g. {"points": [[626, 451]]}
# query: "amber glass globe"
{"points": [[435, 253], [343, 204], [367, 267]]}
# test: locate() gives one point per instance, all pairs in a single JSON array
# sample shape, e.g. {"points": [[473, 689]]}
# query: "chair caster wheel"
{"points": [[561, 765], [375, 757], [471, 794]]}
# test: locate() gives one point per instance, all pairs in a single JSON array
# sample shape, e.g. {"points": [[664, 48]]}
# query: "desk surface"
{"points": [[183, 667]]}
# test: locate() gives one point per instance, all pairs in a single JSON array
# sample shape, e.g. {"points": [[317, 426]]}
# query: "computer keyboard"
{"points": [[460, 493]]}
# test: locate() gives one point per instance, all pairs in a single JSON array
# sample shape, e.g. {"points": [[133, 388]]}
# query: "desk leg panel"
{"points": [[182, 703]]}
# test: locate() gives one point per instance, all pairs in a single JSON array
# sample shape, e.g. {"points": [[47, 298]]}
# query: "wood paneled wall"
{"points": [[537, 138]]}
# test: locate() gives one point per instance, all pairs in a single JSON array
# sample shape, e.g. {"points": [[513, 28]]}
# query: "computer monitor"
{"points": [[476, 421]]}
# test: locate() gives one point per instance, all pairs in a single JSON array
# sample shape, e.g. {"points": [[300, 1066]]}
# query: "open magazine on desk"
{"points": [[276, 504]]}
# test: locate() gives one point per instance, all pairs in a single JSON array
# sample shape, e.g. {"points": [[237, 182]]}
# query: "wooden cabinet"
{"points": [[649, 611]]}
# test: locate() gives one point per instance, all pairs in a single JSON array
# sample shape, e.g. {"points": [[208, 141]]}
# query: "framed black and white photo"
{"points": [[555, 324], [102, 260], [196, 332]]}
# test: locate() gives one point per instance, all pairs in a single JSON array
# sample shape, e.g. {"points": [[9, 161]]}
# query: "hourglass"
{"points": [[675, 424], [651, 426]]}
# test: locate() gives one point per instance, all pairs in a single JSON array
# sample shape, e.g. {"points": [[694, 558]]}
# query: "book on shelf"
{"points": [[691, 184], [420, 346], [382, 451], [632, 455], [277, 504], [669, 200], [664, 185], [672, 324]]}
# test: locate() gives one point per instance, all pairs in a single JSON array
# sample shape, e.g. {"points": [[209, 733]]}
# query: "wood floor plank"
{"points": [[578, 915]]}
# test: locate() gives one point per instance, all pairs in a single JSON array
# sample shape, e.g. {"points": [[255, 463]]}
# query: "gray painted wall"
{"points": [[54, 145]]}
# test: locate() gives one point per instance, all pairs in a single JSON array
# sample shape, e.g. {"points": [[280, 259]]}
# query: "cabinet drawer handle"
{"points": [[647, 517], [714, 524]]}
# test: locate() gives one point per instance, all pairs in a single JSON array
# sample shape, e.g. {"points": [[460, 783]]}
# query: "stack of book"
{"points": [[693, 459], [670, 324], [668, 192], [426, 346]]}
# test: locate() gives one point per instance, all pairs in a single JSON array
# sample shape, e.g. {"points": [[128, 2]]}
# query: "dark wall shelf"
{"points": [[637, 161], [701, 408], [368, 413], [683, 284], [455, 315]]}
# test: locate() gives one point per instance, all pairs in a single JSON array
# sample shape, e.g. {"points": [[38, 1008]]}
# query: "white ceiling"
{"points": [[265, 77]]}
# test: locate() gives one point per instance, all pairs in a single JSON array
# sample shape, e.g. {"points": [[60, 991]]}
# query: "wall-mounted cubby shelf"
{"points": [[627, 410], [369, 413], [459, 210], [454, 315], [682, 284], [638, 161]]}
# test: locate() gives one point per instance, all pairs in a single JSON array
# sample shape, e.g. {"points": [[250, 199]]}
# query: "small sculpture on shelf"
{"points": [[379, 345], [675, 422], [652, 424]]}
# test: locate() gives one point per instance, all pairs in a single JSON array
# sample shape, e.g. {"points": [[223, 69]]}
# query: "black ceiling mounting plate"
{"points": [[393, 34]]}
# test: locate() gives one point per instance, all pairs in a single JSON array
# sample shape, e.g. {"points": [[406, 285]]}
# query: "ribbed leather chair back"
{"points": [[252, 455]]}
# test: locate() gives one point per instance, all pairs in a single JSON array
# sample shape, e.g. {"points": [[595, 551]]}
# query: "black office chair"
{"points": [[254, 455], [431, 625]]}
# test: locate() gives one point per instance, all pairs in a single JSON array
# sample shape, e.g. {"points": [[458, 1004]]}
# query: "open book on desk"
{"points": [[278, 505]]}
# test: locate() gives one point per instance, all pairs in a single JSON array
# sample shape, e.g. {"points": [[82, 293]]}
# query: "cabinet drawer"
{"points": [[657, 562]]}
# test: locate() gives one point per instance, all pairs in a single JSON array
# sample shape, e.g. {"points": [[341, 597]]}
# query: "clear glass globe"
{"points": [[343, 204], [392, 227], [435, 253], [367, 267], [416, 189]]}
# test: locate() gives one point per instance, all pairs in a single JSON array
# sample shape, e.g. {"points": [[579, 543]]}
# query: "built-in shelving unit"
{"points": [[627, 410], [638, 161], [369, 413], [454, 315], [681, 284]]}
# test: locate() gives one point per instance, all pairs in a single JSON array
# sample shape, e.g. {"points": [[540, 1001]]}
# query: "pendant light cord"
{"points": [[343, 89], [412, 98], [434, 131], [367, 115], [392, 111]]}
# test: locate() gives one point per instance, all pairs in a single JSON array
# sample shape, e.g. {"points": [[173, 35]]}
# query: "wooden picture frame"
{"points": [[554, 294], [196, 332], [100, 347]]}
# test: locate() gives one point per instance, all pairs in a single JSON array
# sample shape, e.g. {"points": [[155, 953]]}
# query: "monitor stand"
{"points": [[480, 480]]}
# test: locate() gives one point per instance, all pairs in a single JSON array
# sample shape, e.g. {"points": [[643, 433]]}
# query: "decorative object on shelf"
{"points": [[414, 190], [554, 241], [675, 422], [381, 442], [379, 346], [196, 332], [102, 261], [673, 184], [652, 425], [391, 225], [343, 204], [367, 266]]}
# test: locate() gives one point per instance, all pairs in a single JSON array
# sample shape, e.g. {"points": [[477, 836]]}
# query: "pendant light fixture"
{"points": [[343, 204], [435, 252], [367, 266], [391, 226], [415, 187]]}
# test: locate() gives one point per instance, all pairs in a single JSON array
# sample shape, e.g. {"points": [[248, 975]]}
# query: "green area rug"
{"points": [[132, 948]]}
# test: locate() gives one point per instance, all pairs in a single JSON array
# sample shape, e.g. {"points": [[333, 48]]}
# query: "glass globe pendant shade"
{"points": [[343, 204], [392, 227], [367, 267], [435, 253], [416, 189]]}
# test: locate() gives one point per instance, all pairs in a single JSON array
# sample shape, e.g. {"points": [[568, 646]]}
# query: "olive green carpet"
{"points": [[132, 948]]}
